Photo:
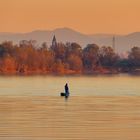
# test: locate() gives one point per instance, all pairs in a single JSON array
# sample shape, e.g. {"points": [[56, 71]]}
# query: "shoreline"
{"points": [[69, 74]]}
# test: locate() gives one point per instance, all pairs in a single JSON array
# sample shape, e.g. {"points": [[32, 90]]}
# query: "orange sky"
{"points": [[87, 16]]}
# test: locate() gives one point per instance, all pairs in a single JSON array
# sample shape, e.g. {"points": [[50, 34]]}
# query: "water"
{"points": [[79, 85], [99, 108]]}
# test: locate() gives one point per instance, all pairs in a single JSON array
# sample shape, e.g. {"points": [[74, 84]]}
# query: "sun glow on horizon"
{"points": [[87, 16]]}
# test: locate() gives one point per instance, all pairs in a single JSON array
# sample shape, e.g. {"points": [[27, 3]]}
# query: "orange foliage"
{"points": [[8, 65], [68, 58]]}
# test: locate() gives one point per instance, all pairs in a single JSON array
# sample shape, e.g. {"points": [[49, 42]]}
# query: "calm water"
{"points": [[79, 86], [99, 108]]}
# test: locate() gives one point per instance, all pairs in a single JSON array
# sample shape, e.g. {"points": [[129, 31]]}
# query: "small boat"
{"points": [[66, 95], [62, 94]]}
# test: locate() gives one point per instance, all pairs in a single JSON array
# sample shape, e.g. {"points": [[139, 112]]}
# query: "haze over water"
{"points": [[79, 85]]}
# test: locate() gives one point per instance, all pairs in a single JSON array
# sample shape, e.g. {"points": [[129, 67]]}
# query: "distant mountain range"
{"points": [[122, 42]]}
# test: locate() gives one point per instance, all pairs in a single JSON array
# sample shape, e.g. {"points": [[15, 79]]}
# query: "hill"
{"points": [[122, 43]]}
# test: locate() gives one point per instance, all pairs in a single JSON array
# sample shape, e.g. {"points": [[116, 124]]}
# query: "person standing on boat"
{"points": [[66, 90]]}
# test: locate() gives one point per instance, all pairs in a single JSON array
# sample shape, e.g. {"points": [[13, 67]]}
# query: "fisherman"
{"points": [[66, 91]]}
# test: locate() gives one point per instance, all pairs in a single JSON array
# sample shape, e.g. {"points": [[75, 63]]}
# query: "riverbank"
{"points": [[97, 71]]}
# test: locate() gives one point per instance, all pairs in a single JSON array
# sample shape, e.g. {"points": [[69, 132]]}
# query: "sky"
{"points": [[86, 16]]}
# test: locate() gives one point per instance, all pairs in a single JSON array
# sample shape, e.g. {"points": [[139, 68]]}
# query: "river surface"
{"points": [[99, 108], [79, 85]]}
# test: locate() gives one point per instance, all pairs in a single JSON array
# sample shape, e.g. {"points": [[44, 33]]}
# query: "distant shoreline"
{"points": [[68, 73], [65, 59]]}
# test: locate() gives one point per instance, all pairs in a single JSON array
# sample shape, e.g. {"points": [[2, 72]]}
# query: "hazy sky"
{"points": [[87, 16]]}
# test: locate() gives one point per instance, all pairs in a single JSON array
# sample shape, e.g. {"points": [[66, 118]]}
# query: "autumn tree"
{"points": [[74, 49], [134, 57], [75, 63], [58, 67], [108, 57], [8, 64], [60, 52], [91, 56], [28, 57]]}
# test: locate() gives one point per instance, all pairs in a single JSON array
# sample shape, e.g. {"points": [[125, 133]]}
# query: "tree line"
{"points": [[69, 58]]}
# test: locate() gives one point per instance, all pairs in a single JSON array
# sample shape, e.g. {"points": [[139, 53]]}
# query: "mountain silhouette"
{"points": [[122, 42]]}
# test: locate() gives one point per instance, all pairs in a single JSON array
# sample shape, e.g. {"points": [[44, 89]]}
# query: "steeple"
{"points": [[113, 42], [54, 42]]}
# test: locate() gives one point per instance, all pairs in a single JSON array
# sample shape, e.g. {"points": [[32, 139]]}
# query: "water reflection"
{"points": [[80, 118], [79, 85], [31, 108]]}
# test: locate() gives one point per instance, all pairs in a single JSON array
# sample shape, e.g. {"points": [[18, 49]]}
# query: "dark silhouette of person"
{"points": [[66, 90]]}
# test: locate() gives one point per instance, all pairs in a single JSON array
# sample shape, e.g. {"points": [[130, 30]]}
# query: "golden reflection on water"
{"points": [[79, 118], [109, 85]]}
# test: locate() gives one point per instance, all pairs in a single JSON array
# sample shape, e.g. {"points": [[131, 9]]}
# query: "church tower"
{"points": [[113, 42], [54, 42]]}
